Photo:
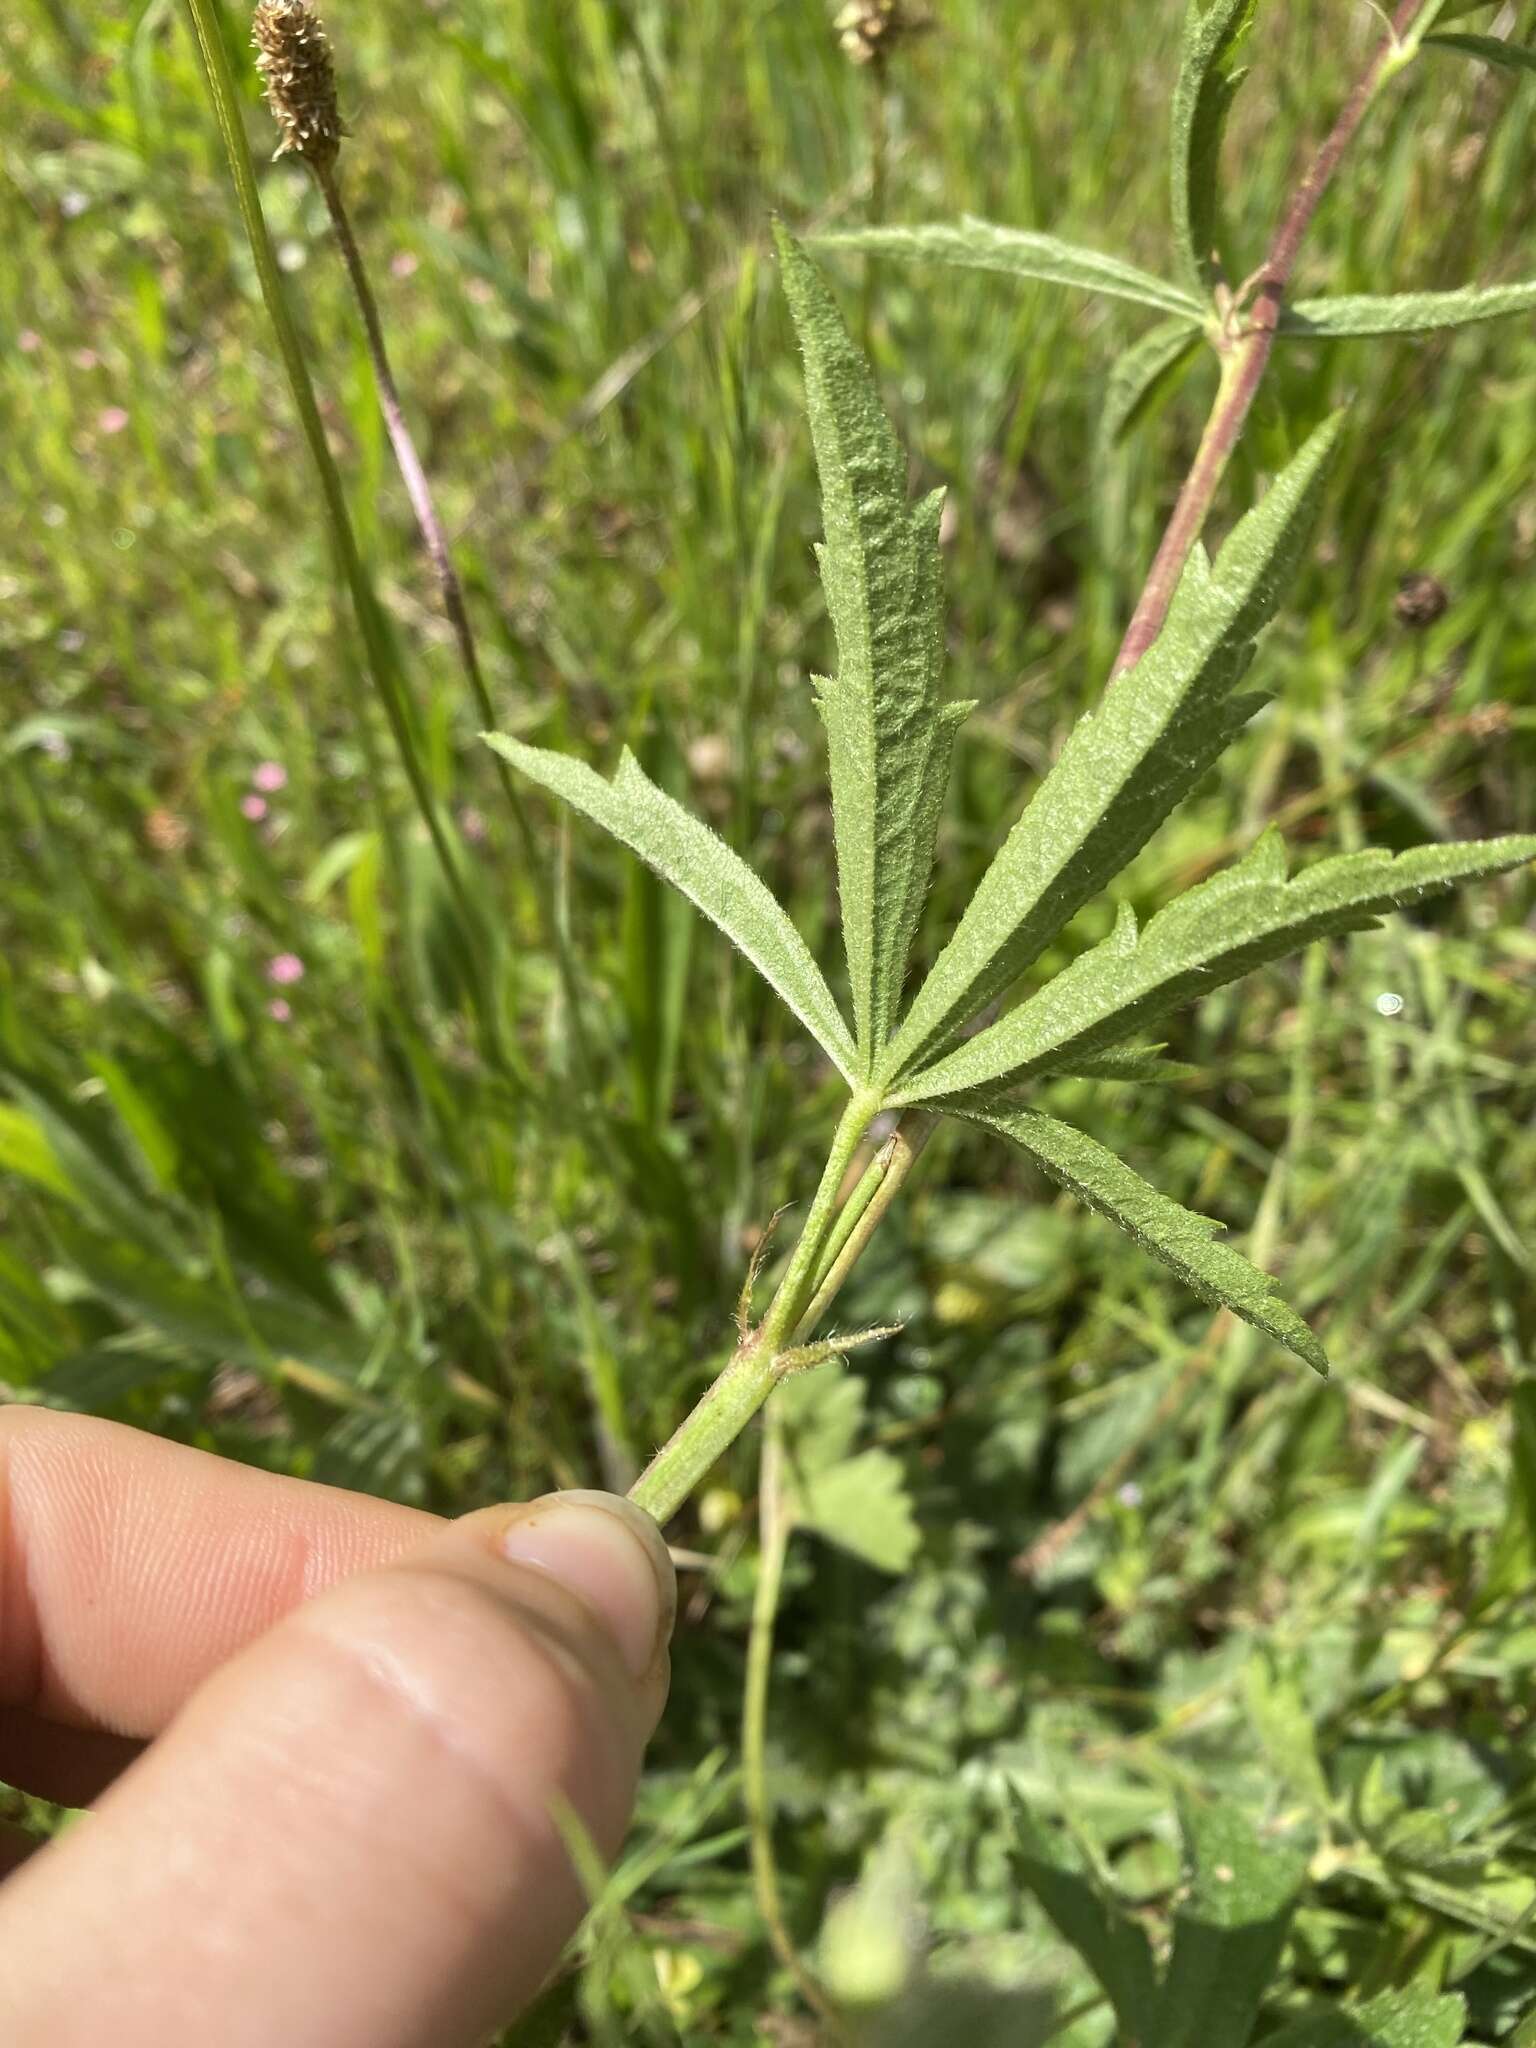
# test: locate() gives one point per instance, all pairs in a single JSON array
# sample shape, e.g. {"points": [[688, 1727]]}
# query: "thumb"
{"points": [[348, 1836]]}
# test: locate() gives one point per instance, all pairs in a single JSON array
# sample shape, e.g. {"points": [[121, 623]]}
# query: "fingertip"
{"points": [[606, 1551]]}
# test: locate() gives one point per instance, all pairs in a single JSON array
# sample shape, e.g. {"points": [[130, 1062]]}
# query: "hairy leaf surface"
{"points": [[1209, 936], [1209, 76], [1412, 2018], [1404, 312], [1229, 1928], [1126, 765], [974, 244], [1142, 374], [889, 738], [1183, 1240], [1113, 1945], [684, 852], [1492, 50]]}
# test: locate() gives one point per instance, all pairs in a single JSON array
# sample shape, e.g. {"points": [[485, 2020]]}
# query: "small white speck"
{"points": [[1389, 1004], [291, 256], [1129, 1495], [1224, 1873]]}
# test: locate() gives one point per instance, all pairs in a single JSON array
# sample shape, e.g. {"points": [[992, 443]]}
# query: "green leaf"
{"points": [[1126, 765], [1127, 1063], [1229, 1929], [859, 1502], [1209, 77], [1142, 375], [1179, 1237], [889, 738], [1112, 1945], [684, 852], [1404, 312], [1209, 936], [973, 244], [1512, 56], [1412, 2018]]}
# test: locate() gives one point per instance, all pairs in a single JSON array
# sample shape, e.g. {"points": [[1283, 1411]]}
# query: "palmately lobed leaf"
{"points": [[972, 244], [889, 737], [696, 861], [1209, 76], [1180, 1238], [1211, 935], [1126, 765]]}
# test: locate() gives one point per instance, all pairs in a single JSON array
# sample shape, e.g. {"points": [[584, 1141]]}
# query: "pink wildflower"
{"points": [[285, 969], [270, 777], [254, 808], [112, 419], [279, 1011]]}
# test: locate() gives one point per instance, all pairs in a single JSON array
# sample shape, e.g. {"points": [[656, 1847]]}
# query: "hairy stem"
{"points": [[1246, 353], [775, 1526], [835, 1236], [895, 1161], [741, 1389]]}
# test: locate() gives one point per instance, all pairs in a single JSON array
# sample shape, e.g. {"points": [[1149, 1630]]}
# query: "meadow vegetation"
{"points": [[432, 1163]]}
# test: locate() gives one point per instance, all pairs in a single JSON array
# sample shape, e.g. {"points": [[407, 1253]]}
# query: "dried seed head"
{"points": [[293, 56], [870, 29], [1421, 600]]}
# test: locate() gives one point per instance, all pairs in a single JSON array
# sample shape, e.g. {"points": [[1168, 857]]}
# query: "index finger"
{"points": [[131, 1567]]}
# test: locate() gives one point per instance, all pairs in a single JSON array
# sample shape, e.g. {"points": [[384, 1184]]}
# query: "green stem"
{"points": [[736, 1395], [775, 1526], [896, 1160]]}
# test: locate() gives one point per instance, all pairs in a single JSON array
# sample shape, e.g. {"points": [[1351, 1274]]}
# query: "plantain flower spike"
{"points": [[293, 55], [869, 29]]}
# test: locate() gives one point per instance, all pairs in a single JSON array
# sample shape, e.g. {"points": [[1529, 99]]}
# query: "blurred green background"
{"points": [[269, 1183]]}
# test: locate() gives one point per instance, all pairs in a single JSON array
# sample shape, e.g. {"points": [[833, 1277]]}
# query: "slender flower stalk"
{"points": [[304, 120], [294, 59]]}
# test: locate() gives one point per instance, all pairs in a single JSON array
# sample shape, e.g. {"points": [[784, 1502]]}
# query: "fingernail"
{"points": [[610, 1553]]}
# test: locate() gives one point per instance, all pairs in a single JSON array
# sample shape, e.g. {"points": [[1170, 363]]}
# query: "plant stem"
{"points": [[775, 1526], [896, 1160], [830, 1247], [1246, 353], [418, 490], [382, 665], [729, 1405]]}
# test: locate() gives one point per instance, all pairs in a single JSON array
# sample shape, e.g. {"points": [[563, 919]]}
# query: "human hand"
{"points": [[360, 1718]]}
